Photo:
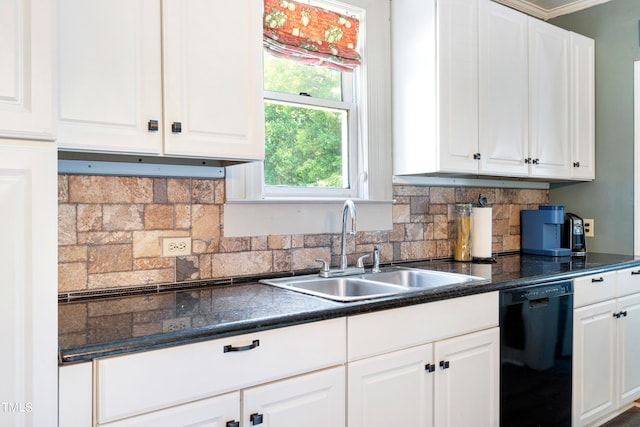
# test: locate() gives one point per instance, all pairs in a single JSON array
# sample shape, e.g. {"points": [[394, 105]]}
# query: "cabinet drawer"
{"points": [[594, 288], [215, 411], [389, 330], [628, 281], [147, 381]]}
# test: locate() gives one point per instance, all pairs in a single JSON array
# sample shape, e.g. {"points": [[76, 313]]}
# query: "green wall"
{"points": [[608, 199]]}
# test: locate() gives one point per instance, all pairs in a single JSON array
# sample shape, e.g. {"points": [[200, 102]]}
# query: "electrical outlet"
{"points": [[588, 225], [176, 246]]}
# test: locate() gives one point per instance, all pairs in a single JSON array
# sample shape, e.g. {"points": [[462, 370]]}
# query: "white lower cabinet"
{"points": [[606, 343], [207, 379], [392, 389], [311, 400], [467, 380], [219, 411], [450, 378], [75, 390]]}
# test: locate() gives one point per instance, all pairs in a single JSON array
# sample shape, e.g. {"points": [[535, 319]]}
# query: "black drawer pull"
{"points": [[633, 273], [623, 313], [444, 364], [256, 419], [232, 423], [430, 367], [152, 126], [176, 127], [598, 280], [254, 344]]}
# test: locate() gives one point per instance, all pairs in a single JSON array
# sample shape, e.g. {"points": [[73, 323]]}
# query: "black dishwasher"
{"points": [[536, 335]]}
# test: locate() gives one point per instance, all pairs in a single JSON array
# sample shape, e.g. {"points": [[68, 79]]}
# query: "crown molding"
{"points": [[546, 14]]}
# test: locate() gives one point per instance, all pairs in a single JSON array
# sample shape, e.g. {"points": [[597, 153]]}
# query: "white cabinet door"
{"points": [[467, 380], [213, 78], [458, 85], [549, 147], [220, 411], [503, 90], [311, 400], [594, 358], [582, 107], [109, 78], [392, 389], [628, 349], [28, 262], [26, 49]]}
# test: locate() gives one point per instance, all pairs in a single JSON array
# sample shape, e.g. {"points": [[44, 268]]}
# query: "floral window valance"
{"points": [[310, 34]]}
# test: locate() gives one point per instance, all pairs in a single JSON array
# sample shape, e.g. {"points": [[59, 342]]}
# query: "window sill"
{"points": [[301, 216]]}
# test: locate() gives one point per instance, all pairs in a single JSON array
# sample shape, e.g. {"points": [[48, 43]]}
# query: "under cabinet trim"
{"points": [[468, 182], [84, 167]]}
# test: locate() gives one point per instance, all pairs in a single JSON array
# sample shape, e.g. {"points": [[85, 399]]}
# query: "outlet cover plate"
{"points": [[176, 246], [589, 226]]}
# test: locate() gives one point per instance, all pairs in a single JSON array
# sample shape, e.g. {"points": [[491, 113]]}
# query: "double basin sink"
{"points": [[388, 282]]}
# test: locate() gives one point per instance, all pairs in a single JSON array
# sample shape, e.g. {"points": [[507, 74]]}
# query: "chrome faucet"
{"points": [[344, 270], [351, 209]]}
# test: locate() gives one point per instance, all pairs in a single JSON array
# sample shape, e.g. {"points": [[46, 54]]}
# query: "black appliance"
{"points": [[573, 235], [536, 328]]}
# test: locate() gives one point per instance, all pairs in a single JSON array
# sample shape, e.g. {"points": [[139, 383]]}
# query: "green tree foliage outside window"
{"points": [[303, 144]]}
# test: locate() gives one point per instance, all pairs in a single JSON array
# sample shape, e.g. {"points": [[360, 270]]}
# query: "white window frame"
{"points": [[372, 184]]}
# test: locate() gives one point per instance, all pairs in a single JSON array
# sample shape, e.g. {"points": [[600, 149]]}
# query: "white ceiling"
{"points": [[546, 9]]}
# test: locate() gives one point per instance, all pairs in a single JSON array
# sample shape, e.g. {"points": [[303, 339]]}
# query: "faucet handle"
{"points": [[376, 258], [325, 265], [360, 263]]}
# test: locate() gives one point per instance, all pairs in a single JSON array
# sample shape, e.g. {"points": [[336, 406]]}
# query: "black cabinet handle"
{"points": [[176, 127], [232, 423], [430, 367], [535, 161], [256, 419], [623, 313], [444, 364], [576, 164], [254, 344], [477, 156], [633, 273], [616, 315], [152, 126], [598, 280]]}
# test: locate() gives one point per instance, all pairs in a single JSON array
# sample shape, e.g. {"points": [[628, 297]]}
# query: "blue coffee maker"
{"points": [[540, 231]]}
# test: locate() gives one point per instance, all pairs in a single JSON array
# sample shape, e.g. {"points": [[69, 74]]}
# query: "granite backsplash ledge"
{"points": [[110, 231]]}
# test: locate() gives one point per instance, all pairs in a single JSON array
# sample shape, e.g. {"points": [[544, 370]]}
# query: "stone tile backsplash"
{"points": [[110, 231]]}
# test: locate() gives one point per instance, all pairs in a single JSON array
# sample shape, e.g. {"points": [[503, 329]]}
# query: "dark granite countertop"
{"points": [[118, 325]]}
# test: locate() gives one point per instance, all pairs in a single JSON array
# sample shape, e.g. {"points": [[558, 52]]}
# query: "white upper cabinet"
{"points": [[109, 79], [582, 107], [434, 86], [213, 78], [549, 100], [503, 77], [178, 78], [457, 72], [26, 48], [482, 89]]}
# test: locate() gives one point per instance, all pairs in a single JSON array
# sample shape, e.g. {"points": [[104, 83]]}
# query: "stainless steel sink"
{"points": [[421, 279], [338, 288], [392, 281]]}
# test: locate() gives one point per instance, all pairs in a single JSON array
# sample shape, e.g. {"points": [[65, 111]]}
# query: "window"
{"points": [[286, 209], [311, 121]]}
